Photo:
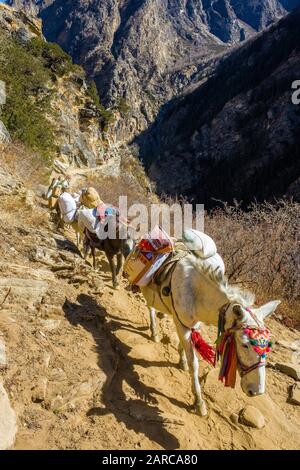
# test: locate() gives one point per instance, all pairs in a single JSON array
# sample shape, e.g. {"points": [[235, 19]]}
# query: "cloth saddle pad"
{"points": [[103, 211], [87, 218], [158, 292]]}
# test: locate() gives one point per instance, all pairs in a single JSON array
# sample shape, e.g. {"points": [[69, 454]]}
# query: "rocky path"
{"points": [[78, 369]]}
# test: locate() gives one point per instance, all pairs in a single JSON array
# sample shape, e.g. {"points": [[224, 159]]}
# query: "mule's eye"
{"points": [[245, 346]]}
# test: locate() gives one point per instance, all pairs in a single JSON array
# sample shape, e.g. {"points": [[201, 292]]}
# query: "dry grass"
{"points": [[26, 166], [28, 169], [15, 207], [132, 183], [260, 248]]}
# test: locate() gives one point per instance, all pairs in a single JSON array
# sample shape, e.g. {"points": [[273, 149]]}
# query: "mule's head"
{"points": [[57, 191], [252, 342]]}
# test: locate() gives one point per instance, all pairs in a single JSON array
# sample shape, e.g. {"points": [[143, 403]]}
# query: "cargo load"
{"points": [[87, 219], [68, 207], [90, 198], [199, 243], [147, 257]]}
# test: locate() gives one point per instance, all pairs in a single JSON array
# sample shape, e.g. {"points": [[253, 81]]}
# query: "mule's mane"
{"points": [[235, 293], [239, 295]]}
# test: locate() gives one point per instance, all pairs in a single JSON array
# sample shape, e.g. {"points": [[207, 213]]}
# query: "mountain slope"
{"points": [[128, 47], [229, 20], [49, 107], [131, 47], [237, 135]]}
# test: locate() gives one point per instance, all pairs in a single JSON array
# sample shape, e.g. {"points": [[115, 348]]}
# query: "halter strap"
{"points": [[244, 370], [248, 309]]}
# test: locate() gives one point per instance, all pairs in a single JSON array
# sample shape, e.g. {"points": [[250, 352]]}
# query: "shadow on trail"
{"points": [[140, 414], [64, 244], [119, 323]]}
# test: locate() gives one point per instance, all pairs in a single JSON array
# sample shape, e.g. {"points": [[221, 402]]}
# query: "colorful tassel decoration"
{"points": [[206, 351], [228, 369]]}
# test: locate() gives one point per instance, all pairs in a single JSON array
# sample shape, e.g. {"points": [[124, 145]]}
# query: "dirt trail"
{"points": [[82, 371]]}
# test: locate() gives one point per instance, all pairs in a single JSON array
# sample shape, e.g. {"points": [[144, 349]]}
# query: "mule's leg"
{"points": [[86, 248], [154, 334], [93, 250], [192, 359], [79, 235], [183, 364], [57, 209], [119, 267], [77, 239], [119, 262], [60, 224], [113, 270]]}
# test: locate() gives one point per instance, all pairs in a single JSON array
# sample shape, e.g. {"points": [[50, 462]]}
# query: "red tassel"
{"points": [[206, 351]]}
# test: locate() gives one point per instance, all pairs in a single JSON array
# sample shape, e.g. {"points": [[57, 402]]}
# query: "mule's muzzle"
{"points": [[252, 391]]}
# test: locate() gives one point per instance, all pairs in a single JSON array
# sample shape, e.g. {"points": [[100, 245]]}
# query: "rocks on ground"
{"points": [[8, 421], [7, 182], [251, 416], [292, 370], [76, 392], [295, 394]]}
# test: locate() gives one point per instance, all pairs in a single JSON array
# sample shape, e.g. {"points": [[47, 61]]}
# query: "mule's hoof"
{"points": [[201, 408], [155, 339], [116, 287]]}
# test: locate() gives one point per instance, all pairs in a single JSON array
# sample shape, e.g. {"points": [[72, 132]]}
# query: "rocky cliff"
{"points": [[237, 134], [48, 104], [132, 48]]}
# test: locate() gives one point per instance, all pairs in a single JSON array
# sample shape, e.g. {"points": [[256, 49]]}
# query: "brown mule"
{"points": [[118, 247]]}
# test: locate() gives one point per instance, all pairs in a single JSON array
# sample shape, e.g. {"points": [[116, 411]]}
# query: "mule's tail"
{"points": [[206, 351]]}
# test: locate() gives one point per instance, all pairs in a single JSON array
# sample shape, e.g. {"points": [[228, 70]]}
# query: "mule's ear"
{"points": [[267, 309], [238, 311]]}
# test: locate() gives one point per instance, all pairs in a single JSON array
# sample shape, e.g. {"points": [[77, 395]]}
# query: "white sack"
{"points": [[201, 244], [87, 219], [68, 208]]}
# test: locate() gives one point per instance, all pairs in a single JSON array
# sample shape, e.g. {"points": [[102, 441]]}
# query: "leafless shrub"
{"points": [[260, 248]]}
